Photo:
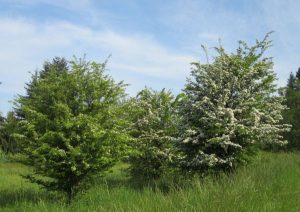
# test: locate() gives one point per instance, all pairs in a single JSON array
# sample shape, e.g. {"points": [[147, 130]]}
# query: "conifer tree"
{"points": [[298, 74], [8, 130], [2, 136], [292, 114], [231, 108]]}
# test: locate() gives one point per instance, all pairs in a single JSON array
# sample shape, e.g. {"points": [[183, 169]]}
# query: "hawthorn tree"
{"points": [[231, 108], [71, 124], [154, 131]]}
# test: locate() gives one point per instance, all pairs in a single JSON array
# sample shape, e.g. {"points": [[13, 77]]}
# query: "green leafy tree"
{"points": [[154, 129], [291, 116], [71, 124], [231, 108]]}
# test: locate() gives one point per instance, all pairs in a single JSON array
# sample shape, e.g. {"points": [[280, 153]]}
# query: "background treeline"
{"points": [[292, 116], [75, 121]]}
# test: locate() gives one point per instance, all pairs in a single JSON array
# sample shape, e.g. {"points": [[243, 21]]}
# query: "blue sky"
{"points": [[151, 42]]}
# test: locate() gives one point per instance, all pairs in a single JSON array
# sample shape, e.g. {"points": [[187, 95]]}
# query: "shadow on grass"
{"points": [[163, 185], [13, 197]]}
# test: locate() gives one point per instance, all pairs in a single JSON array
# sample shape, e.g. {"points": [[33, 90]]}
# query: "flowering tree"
{"points": [[231, 108], [154, 131]]}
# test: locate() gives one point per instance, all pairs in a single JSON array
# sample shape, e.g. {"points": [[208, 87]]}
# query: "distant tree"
{"points": [[292, 114], [298, 74], [71, 124], [8, 130], [231, 108], [2, 122], [154, 129], [291, 84]]}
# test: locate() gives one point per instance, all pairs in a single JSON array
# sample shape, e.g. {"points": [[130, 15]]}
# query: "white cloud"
{"points": [[143, 54], [25, 45], [138, 57], [22, 40]]}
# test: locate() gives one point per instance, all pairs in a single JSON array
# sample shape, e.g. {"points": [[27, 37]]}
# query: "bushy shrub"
{"points": [[154, 129]]}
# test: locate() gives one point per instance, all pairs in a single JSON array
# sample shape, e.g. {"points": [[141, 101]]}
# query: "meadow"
{"points": [[270, 183]]}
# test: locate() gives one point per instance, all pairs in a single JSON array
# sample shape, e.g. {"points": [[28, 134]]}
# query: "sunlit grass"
{"points": [[270, 183]]}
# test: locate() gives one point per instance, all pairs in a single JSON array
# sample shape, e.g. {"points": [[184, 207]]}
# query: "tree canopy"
{"points": [[231, 108], [154, 130], [71, 126], [292, 114]]}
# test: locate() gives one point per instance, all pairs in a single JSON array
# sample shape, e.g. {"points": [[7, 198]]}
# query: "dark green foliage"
{"points": [[2, 122], [70, 123], [58, 67], [292, 114], [298, 74], [155, 120], [8, 129]]}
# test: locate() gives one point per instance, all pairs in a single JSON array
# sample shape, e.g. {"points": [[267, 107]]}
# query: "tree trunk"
{"points": [[70, 195]]}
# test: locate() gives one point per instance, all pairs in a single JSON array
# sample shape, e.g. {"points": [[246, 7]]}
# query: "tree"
{"points": [[2, 138], [292, 81], [8, 130], [291, 116], [231, 108], [298, 74], [71, 125], [154, 130], [58, 66]]}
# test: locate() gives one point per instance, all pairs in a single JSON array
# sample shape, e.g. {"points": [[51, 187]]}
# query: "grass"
{"points": [[270, 183]]}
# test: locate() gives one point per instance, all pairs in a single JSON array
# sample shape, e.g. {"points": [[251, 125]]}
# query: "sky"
{"points": [[151, 43]]}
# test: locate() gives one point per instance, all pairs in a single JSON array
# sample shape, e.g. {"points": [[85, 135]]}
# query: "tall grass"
{"points": [[3, 157], [270, 183]]}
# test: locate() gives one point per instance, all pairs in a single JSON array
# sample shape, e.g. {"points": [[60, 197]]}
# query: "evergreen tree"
{"points": [[8, 130], [298, 74], [291, 116], [2, 137], [291, 84], [231, 108], [71, 126], [58, 66]]}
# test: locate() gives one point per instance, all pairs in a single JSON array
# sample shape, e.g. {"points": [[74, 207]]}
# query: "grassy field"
{"points": [[270, 183]]}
